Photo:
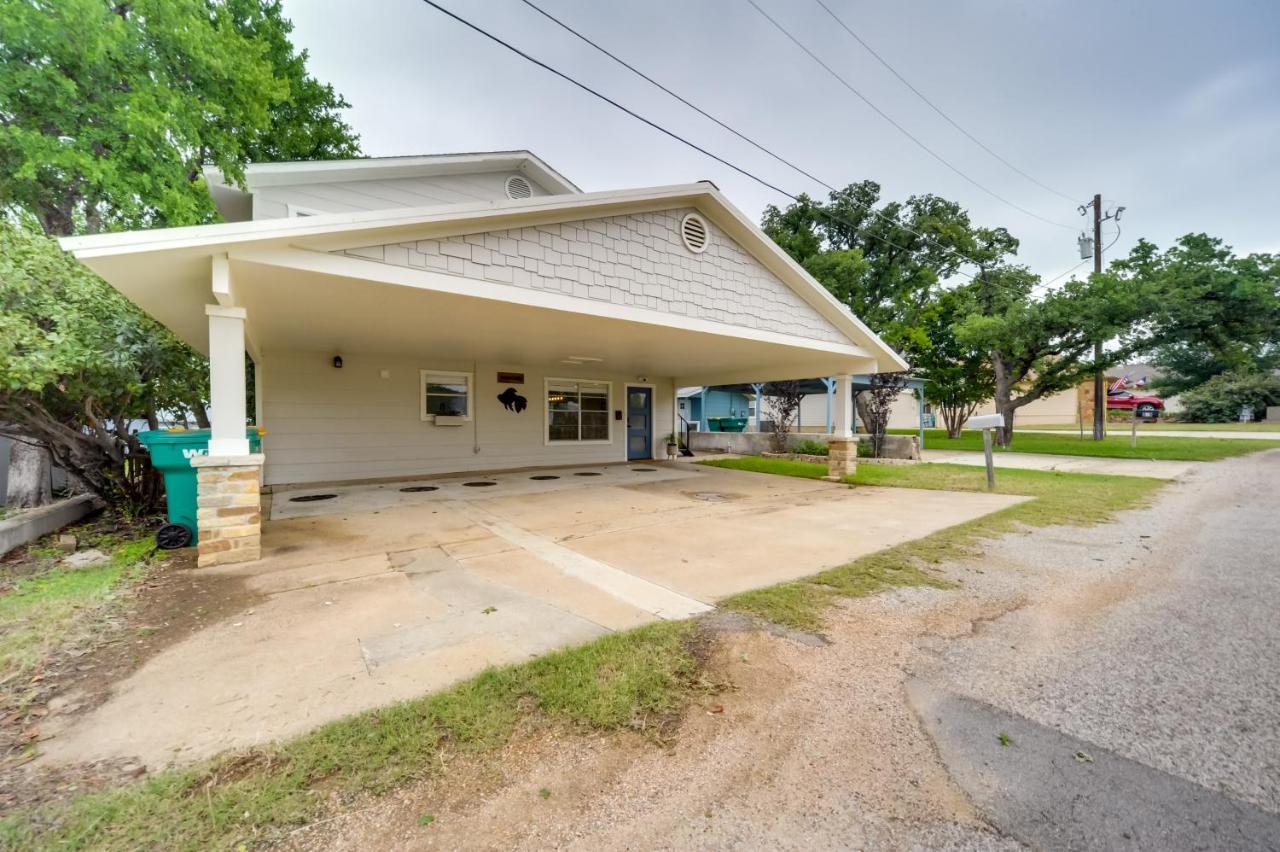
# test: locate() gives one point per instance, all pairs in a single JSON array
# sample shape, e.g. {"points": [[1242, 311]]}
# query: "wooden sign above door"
{"points": [[510, 378]]}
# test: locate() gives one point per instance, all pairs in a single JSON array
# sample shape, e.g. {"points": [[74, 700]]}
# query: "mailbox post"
{"points": [[986, 423]]}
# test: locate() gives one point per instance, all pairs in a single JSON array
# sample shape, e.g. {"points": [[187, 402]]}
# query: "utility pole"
{"points": [[1099, 401], [1099, 389]]}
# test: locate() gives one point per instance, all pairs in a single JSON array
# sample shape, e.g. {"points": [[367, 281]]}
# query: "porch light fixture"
{"points": [[337, 362]]}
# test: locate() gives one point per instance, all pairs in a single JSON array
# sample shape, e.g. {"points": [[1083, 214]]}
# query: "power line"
{"points": [[758, 146], [898, 126], [975, 140], [673, 135], [658, 127]]}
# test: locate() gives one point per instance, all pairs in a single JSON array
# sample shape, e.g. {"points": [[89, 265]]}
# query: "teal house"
{"points": [[698, 405]]}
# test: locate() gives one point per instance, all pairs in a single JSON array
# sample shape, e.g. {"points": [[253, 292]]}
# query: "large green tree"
{"points": [[958, 375], [78, 363], [885, 262], [110, 110], [1039, 345], [1213, 311], [109, 113]]}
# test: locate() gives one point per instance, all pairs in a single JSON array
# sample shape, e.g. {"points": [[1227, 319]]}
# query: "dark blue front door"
{"points": [[639, 423]]}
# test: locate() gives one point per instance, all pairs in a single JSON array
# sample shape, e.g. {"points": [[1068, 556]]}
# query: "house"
{"points": [[697, 405], [414, 316]]}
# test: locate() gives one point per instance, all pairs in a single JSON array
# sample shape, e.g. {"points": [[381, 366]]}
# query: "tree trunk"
{"points": [[30, 482], [1004, 394], [199, 413]]}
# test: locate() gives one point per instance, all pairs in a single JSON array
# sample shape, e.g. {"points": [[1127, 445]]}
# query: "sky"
{"points": [[1170, 108]]}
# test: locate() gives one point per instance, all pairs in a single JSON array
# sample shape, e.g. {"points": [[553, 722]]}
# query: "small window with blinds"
{"points": [[445, 394]]}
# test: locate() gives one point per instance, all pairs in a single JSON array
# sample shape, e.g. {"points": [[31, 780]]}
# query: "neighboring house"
{"points": [[696, 404], [410, 316]]}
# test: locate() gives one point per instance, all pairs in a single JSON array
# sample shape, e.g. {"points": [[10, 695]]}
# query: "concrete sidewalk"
{"points": [[1123, 430], [1068, 464]]}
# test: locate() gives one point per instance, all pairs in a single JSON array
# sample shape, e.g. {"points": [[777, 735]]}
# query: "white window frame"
{"points": [[546, 412], [453, 374], [293, 211]]}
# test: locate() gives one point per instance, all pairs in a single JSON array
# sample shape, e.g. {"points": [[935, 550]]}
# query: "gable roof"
{"points": [[124, 257], [230, 198]]}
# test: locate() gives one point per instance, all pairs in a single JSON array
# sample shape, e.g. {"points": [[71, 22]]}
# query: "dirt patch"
{"points": [[170, 602], [812, 740]]}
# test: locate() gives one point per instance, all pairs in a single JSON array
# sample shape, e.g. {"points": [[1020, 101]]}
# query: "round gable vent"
{"points": [[518, 187], [695, 233]]}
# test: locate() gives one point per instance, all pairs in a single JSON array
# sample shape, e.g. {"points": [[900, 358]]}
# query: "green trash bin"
{"points": [[171, 453]]}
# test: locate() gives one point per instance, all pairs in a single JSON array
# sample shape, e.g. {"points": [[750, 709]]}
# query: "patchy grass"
{"points": [[40, 611], [1172, 426], [635, 680], [1076, 499], [1114, 446]]}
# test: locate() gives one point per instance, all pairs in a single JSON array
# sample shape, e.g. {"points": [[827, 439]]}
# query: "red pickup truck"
{"points": [[1148, 407]]}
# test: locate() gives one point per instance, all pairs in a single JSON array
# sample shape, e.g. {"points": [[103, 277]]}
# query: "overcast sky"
{"points": [[1169, 107]]}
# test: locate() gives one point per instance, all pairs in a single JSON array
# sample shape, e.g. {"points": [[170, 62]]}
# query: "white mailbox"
{"points": [[985, 421]]}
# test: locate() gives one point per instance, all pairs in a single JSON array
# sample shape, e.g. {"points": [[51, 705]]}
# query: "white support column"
{"points": [[841, 426], [842, 447], [226, 381]]}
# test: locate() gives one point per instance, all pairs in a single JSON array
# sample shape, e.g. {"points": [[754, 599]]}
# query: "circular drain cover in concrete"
{"points": [[414, 489], [543, 477], [586, 473], [644, 469], [311, 498], [478, 484], [712, 497]]}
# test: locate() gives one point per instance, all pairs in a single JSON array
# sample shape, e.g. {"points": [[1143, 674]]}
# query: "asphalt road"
{"points": [[1139, 709]]}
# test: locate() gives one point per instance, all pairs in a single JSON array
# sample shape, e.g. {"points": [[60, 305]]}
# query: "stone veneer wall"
{"points": [[637, 260], [228, 509]]}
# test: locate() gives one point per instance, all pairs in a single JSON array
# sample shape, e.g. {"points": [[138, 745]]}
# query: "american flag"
{"points": [[1119, 384]]}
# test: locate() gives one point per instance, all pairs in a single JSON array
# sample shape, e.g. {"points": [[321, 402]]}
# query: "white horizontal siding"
{"points": [[325, 424], [270, 202]]}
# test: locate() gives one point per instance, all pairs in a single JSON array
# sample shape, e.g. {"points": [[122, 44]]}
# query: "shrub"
{"points": [[810, 447], [866, 450], [1220, 399]]}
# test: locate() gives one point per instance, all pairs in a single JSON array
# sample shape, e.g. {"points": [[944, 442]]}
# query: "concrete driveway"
{"points": [[378, 594]]}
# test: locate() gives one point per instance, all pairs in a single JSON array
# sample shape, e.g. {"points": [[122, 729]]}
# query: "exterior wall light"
{"points": [[337, 362]]}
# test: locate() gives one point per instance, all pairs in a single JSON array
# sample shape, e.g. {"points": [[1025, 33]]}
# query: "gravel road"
{"points": [[1171, 656]]}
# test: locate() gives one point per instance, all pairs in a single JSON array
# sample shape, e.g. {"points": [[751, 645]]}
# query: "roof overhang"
{"points": [[163, 270]]}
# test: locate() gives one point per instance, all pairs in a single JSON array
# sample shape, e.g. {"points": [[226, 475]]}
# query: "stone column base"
{"points": [[842, 458], [228, 509]]}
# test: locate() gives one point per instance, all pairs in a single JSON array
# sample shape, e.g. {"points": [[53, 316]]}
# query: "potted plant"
{"points": [[673, 445]]}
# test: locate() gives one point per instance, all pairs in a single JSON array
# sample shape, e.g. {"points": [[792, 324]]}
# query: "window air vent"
{"points": [[518, 187], [694, 232]]}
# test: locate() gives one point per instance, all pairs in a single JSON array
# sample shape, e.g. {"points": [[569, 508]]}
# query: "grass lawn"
{"points": [[635, 680], [1114, 446], [1168, 426], [1077, 499], [46, 609]]}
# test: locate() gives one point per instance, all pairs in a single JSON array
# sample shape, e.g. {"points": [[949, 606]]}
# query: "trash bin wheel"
{"points": [[173, 536]]}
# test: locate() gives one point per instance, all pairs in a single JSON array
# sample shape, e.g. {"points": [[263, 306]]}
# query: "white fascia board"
{"points": [[384, 273]]}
